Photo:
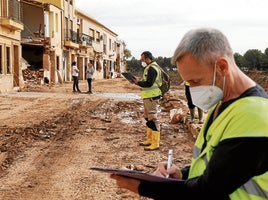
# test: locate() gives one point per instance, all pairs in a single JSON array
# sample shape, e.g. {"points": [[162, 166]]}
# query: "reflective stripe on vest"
{"points": [[153, 91], [236, 125]]}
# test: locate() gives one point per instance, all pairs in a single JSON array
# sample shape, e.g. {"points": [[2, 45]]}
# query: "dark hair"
{"points": [[147, 54], [73, 63]]}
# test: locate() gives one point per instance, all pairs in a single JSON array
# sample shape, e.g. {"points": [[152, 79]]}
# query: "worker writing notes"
{"points": [[230, 155]]}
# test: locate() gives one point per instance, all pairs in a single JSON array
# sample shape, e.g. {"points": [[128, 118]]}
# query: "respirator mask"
{"points": [[205, 96]]}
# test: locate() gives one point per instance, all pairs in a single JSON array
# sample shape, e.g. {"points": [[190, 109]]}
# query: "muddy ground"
{"points": [[50, 137]]}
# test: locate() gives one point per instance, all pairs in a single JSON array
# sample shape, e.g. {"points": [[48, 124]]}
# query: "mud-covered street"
{"points": [[50, 137]]}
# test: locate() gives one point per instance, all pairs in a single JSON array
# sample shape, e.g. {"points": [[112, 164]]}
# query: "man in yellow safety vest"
{"points": [[150, 93], [230, 156]]}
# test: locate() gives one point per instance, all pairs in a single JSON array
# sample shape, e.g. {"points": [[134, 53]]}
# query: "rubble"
{"points": [[33, 77], [49, 142]]}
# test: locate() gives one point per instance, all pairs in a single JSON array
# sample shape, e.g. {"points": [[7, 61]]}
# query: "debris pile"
{"points": [[33, 77], [261, 77]]}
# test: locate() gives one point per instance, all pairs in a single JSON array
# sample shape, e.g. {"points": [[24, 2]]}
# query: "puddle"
{"points": [[118, 95], [130, 96], [126, 112], [128, 117], [25, 94]]}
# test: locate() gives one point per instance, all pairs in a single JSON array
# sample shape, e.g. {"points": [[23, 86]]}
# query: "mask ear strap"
{"points": [[214, 76], [223, 84]]}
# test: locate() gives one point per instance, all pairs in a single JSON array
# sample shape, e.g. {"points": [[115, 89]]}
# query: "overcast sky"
{"points": [[158, 25]]}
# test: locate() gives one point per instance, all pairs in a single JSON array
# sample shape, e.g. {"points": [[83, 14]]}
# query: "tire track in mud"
{"points": [[54, 157], [35, 147]]}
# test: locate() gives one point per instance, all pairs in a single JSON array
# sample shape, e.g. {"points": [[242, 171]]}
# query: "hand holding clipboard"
{"points": [[130, 77], [135, 174]]}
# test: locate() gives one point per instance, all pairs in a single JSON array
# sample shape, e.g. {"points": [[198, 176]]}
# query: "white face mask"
{"points": [[143, 64], [206, 96]]}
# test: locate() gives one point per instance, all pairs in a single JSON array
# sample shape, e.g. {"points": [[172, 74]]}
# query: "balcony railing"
{"points": [[70, 35], [11, 9], [85, 39]]}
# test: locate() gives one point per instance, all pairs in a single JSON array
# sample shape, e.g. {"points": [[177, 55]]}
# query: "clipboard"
{"points": [[139, 175], [130, 77]]}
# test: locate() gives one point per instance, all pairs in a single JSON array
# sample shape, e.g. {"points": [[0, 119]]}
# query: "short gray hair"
{"points": [[205, 44]]}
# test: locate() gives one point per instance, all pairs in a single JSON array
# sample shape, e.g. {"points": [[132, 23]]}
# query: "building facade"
{"points": [[41, 38], [100, 43], [48, 35], [10, 51]]}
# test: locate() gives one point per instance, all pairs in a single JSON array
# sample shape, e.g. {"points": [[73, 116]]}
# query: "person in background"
{"points": [[191, 106], [150, 93], [230, 157], [75, 75], [89, 76]]}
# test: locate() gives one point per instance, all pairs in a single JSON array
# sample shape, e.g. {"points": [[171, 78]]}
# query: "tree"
{"points": [[127, 53], [164, 62], [240, 61], [253, 59], [265, 59], [134, 65]]}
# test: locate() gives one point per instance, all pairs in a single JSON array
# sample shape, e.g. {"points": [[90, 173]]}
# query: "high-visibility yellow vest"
{"points": [[153, 91], [235, 125]]}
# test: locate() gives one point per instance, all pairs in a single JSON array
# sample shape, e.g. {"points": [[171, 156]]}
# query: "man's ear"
{"points": [[222, 66]]}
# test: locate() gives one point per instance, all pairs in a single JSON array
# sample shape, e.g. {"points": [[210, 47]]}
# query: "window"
{"points": [[91, 33], [1, 65], [104, 38], [98, 36], [66, 31], [8, 60], [71, 25], [57, 22], [104, 48], [110, 44], [58, 62]]}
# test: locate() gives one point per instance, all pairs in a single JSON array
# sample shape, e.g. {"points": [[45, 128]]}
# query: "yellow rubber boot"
{"points": [[148, 140], [155, 141]]}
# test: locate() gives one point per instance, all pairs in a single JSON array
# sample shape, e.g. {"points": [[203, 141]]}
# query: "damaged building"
{"points": [[48, 36]]}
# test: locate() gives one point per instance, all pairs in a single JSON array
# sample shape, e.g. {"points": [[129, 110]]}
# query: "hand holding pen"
{"points": [[167, 169], [169, 162]]}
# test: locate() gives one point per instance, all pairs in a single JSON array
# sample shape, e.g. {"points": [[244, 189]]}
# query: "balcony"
{"points": [[11, 24], [71, 44], [85, 40], [71, 38], [10, 14]]}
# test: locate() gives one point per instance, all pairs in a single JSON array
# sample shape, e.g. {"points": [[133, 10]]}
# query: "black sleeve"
{"points": [[234, 161], [151, 76], [185, 172]]}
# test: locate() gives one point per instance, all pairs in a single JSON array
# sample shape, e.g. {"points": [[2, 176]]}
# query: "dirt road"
{"points": [[50, 137]]}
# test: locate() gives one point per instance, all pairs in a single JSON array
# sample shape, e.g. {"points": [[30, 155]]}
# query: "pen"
{"points": [[169, 162]]}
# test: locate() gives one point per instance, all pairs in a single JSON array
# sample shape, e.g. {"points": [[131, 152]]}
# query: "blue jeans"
{"points": [[75, 83]]}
